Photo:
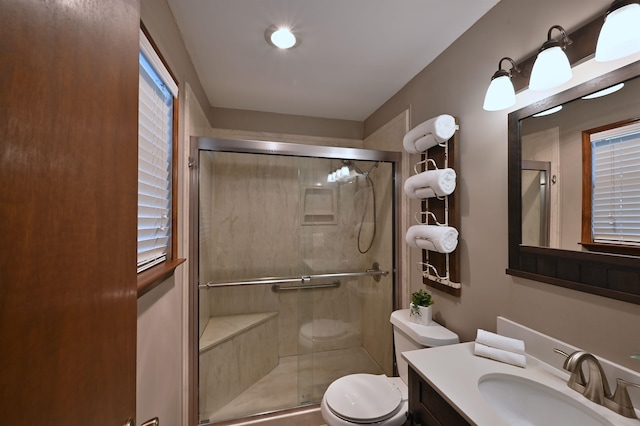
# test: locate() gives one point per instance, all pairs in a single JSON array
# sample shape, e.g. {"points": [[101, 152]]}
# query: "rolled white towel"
{"points": [[497, 341], [431, 183], [443, 239], [519, 360], [429, 133]]}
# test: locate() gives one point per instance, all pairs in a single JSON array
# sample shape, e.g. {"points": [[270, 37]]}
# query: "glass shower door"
{"points": [[346, 228], [286, 306]]}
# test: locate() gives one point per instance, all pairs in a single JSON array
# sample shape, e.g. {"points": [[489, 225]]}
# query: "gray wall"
{"points": [[456, 83], [256, 121], [158, 19]]}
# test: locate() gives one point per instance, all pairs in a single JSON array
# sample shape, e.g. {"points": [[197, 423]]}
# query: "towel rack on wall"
{"points": [[440, 270], [445, 208], [374, 272]]}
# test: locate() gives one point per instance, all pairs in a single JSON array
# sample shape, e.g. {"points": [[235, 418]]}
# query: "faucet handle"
{"points": [[622, 399], [561, 352]]}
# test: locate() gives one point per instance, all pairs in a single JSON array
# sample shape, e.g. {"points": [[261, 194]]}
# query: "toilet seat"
{"points": [[363, 398]]}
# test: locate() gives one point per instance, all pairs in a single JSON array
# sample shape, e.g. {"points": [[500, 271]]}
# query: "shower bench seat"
{"points": [[219, 329], [235, 352]]}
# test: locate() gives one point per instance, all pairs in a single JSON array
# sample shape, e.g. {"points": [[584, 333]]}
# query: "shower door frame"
{"points": [[199, 143]]}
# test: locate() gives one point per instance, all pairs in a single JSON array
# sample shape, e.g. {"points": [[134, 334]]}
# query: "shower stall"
{"points": [[294, 260]]}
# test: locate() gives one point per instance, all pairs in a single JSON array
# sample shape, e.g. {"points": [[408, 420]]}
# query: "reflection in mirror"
{"points": [[611, 188], [536, 206], [568, 258], [557, 139]]}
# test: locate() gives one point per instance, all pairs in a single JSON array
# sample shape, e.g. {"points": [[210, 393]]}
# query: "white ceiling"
{"points": [[353, 54]]}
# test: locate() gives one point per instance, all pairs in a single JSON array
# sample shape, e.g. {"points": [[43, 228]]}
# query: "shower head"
{"points": [[348, 172], [342, 174], [353, 165]]}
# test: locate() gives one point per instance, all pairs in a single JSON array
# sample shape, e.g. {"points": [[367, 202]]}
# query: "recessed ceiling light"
{"points": [[281, 37]]}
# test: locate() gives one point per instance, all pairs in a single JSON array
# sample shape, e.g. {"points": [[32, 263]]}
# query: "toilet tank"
{"points": [[409, 336]]}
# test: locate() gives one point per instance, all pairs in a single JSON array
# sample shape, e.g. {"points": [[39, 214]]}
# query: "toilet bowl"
{"points": [[369, 399]]}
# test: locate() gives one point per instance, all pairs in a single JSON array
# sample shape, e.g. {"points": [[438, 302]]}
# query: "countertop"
{"points": [[454, 372]]}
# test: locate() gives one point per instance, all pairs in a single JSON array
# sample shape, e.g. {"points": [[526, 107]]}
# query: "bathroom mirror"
{"points": [[546, 177]]}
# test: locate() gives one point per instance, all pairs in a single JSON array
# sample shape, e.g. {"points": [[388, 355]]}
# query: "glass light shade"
{"points": [[620, 34], [283, 38], [550, 69], [604, 92], [500, 94], [548, 111]]}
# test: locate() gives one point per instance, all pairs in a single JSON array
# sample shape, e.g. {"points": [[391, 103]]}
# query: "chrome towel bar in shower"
{"points": [[278, 287], [374, 272]]}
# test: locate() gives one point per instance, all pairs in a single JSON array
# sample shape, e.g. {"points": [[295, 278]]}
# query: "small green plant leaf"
{"points": [[420, 298]]}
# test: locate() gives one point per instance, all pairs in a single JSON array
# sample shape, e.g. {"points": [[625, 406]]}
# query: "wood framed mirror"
{"points": [[558, 139]]}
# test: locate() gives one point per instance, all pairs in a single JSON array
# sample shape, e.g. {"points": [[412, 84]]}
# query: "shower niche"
{"points": [[319, 206]]}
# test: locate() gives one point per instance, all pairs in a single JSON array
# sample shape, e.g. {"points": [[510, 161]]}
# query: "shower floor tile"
{"points": [[279, 389]]}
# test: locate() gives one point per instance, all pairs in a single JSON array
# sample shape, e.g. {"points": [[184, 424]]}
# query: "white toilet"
{"points": [[369, 399]]}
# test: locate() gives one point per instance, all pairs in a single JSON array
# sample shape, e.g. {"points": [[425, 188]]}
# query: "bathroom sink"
{"points": [[522, 402]]}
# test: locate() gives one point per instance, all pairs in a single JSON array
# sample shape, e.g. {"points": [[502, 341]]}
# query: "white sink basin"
{"points": [[523, 402]]}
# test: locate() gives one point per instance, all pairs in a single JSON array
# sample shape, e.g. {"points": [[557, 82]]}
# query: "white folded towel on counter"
{"points": [[443, 239], [429, 133], [497, 341], [519, 360], [431, 183]]}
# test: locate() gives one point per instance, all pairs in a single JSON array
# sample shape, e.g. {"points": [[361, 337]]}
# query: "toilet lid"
{"points": [[363, 398]]}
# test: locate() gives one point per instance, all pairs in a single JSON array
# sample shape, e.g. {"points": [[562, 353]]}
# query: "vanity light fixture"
{"points": [[604, 92], [551, 68], [548, 111], [501, 94], [280, 37], [620, 33]]}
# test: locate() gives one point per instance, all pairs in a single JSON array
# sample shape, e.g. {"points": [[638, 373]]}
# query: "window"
{"points": [[611, 192], [156, 138]]}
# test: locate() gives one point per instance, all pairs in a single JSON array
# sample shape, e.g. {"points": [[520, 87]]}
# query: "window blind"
{"points": [[155, 141], [615, 210]]}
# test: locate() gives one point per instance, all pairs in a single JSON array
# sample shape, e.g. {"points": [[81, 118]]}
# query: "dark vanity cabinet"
{"points": [[427, 407]]}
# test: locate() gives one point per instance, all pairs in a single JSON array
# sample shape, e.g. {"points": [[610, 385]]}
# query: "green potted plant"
{"points": [[420, 311]]}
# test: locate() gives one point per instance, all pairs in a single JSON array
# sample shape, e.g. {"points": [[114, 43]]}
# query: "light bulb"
{"points": [[283, 38]]}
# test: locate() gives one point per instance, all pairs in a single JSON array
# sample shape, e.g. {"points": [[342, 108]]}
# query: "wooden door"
{"points": [[68, 185]]}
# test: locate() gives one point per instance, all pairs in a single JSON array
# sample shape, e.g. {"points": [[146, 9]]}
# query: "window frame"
{"points": [[155, 275], [587, 240]]}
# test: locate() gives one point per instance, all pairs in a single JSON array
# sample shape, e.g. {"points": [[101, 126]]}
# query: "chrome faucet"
{"points": [[596, 387]]}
